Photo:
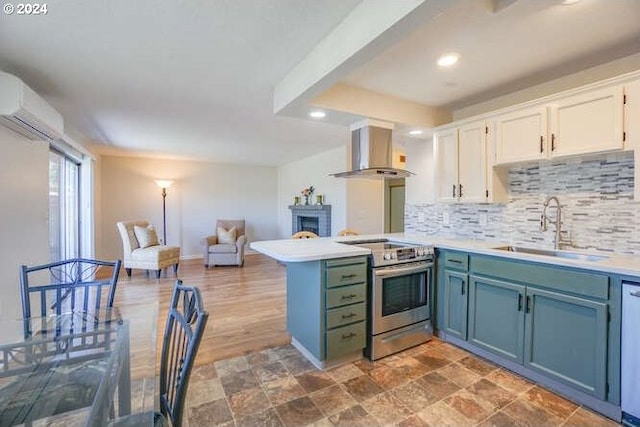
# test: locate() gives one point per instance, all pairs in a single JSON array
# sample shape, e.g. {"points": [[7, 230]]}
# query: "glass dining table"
{"points": [[78, 368]]}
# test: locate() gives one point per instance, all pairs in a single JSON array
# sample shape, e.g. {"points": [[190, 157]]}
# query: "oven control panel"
{"points": [[402, 255]]}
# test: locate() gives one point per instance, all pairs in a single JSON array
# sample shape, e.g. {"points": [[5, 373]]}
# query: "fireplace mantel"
{"points": [[315, 218]]}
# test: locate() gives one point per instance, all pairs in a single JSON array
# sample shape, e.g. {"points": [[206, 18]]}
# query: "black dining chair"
{"points": [[182, 335], [76, 284], [66, 296], [185, 325]]}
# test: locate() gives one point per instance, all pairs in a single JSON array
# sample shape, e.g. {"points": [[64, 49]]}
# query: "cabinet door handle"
{"points": [[459, 190], [541, 144], [349, 296], [462, 287], [350, 335], [348, 276], [553, 142], [453, 194], [348, 316], [519, 302], [527, 306]]}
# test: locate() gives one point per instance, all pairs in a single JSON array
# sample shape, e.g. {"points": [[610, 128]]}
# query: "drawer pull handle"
{"points": [[635, 294], [349, 276], [348, 316], [455, 261], [349, 296], [350, 335]]}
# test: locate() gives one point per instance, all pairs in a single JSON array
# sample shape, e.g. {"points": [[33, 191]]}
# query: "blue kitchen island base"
{"points": [[326, 309]]}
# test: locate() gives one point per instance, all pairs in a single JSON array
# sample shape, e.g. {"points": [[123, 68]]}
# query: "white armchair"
{"points": [[226, 248], [143, 256]]}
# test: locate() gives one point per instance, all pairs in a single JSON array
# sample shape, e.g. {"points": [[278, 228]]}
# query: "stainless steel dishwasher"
{"points": [[630, 369]]}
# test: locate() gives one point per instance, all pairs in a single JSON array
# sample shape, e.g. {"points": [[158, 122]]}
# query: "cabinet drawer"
{"points": [[456, 261], [345, 315], [346, 295], [346, 275], [345, 340]]}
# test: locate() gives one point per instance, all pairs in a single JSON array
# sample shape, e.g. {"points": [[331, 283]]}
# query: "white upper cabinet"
{"points": [[463, 170], [632, 116], [521, 135], [472, 162], [470, 154], [446, 157], [632, 127], [587, 123]]}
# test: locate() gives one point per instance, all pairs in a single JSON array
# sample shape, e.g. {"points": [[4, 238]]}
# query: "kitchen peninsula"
{"points": [[552, 316]]}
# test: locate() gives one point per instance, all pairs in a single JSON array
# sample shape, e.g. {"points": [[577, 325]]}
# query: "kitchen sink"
{"points": [[552, 253]]}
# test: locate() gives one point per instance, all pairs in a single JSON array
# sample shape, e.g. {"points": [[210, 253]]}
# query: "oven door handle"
{"points": [[391, 272]]}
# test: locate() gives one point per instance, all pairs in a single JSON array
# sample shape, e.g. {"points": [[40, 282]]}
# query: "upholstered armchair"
{"points": [[142, 250], [226, 247]]}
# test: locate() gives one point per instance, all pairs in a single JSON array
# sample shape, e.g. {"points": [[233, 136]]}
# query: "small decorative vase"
{"points": [[296, 200], [306, 200], [319, 199]]}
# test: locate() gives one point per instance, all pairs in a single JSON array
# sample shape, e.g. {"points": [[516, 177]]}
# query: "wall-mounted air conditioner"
{"points": [[25, 112]]}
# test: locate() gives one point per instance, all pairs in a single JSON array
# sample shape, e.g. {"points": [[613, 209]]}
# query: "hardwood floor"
{"points": [[247, 306]]}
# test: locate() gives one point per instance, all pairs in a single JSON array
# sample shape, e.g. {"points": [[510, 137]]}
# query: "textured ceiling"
{"points": [[195, 79]]}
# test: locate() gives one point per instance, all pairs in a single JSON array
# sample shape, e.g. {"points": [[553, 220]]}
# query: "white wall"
{"points": [[420, 188], [365, 205], [202, 193], [24, 229], [314, 170]]}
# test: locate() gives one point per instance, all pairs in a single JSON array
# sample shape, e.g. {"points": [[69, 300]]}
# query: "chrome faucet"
{"points": [[558, 242]]}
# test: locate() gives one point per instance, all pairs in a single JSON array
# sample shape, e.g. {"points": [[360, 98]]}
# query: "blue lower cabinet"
{"points": [[456, 300], [496, 317], [566, 339], [557, 325]]}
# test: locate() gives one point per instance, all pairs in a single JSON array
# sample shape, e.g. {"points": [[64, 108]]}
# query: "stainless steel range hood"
{"points": [[371, 155]]}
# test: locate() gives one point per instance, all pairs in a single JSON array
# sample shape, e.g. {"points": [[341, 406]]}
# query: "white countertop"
{"points": [[301, 250]]}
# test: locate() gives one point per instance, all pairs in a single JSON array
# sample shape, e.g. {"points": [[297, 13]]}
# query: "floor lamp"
{"points": [[164, 184]]}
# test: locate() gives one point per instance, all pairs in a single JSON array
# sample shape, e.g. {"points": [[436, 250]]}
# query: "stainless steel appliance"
{"points": [[371, 152], [630, 358], [399, 293]]}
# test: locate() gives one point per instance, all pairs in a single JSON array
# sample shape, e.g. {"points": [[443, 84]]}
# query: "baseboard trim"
{"points": [[323, 364]]}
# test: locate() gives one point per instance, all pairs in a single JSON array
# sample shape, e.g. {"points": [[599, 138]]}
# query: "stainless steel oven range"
{"points": [[399, 301]]}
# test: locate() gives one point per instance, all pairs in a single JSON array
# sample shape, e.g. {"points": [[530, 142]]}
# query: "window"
{"points": [[64, 205]]}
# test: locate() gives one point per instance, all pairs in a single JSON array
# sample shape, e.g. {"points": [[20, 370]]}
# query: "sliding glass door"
{"points": [[64, 204]]}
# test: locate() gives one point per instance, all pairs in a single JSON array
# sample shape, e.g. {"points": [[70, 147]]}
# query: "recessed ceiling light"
{"points": [[415, 132], [317, 114], [569, 2], [448, 59]]}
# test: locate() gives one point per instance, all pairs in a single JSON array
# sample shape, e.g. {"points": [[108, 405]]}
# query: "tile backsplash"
{"points": [[596, 194]]}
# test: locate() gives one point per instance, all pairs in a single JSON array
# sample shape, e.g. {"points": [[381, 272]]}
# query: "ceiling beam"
{"points": [[354, 100], [372, 27]]}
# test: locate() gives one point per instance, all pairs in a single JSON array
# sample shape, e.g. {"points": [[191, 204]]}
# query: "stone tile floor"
{"points": [[435, 384]]}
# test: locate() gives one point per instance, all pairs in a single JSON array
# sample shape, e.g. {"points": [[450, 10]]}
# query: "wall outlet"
{"points": [[445, 218], [421, 218], [482, 219]]}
